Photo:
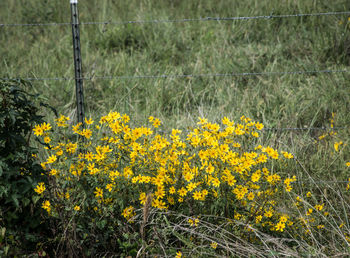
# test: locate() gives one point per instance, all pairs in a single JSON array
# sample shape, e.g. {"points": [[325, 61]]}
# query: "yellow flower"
{"points": [[71, 147], [158, 203], [40, 188], [202, 121], [287, 155], [51, 159], [283, 218], [319, 207], [109, 187], [213, 245], [46, 206], [98, 192], [182, 192], [215, 182], [268, 214], [46, 126], [191, 186], [126, 118], [53, 172], [197, 195], [142, 198], [89, 122], [87, 133], [43, 165], [172, 190], [250, 196], [280, 226], [256, 176], [89, 156], [129, 213], [76, 127], [255, 134], [259, 126], [47, 139], [77, 208], [337, 144], [178, 254], [308, 194], [156, 123], [348, 164], [38, 131], [193, 222], [258, 219], [61, 121], [309, 212]]}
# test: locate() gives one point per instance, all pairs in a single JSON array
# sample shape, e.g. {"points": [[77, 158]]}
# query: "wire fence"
{"points": [[204, 19], [174, 76]]}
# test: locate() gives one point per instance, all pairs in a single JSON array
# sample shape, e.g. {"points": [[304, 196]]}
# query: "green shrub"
{"points": [[20, 220]]}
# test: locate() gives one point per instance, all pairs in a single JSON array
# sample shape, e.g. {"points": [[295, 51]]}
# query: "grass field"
{"points": [[201, 47]]}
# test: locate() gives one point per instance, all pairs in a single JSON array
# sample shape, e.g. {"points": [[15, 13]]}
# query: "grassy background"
{"points": [[263, 45]]}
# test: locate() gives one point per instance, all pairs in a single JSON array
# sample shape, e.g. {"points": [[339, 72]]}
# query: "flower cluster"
{"points": [[129, 213], [211, 162], [40, 188]]}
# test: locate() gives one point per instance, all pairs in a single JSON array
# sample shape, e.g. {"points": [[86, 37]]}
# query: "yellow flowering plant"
{"points": [[109, 169]]}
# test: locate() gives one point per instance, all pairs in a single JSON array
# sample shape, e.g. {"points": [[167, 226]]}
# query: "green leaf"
{"points": [[15, 200], [3, 231]]}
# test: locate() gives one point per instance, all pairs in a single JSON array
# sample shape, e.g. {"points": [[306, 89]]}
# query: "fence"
{"points": [[79, 78]]}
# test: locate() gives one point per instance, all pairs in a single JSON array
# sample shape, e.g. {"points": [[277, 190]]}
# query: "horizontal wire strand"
{"points": [[306, 128], [165, 76], [179, 20]]}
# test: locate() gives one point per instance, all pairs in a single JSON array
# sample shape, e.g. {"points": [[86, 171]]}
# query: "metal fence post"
{"points": [[77, 62]]}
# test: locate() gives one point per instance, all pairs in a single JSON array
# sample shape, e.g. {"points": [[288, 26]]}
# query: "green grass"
{"points": [[264, 45]]}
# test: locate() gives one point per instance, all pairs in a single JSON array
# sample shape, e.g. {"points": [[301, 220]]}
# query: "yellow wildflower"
{"points": [[178, 254], [337, 144], [98, 192], [38, 131], [319, 207], [53, 172], [40, 188], [46, 206], [46, 126], [197, 195], [280, 226], [213, 245], [89, 121], [51, 159]]}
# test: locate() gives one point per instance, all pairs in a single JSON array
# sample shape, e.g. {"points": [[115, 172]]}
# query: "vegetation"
{"points": [[320, 163], [20, 222]]}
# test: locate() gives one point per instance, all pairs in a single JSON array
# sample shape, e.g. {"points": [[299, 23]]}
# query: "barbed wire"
{"points": [[322, 182], [237, 18], [338, 128], [306, 128], [166, 76]]}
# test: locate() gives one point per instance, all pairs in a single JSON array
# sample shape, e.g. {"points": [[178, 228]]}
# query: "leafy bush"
{"points": [[19, 171], [100, 179], [213, 191]]}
